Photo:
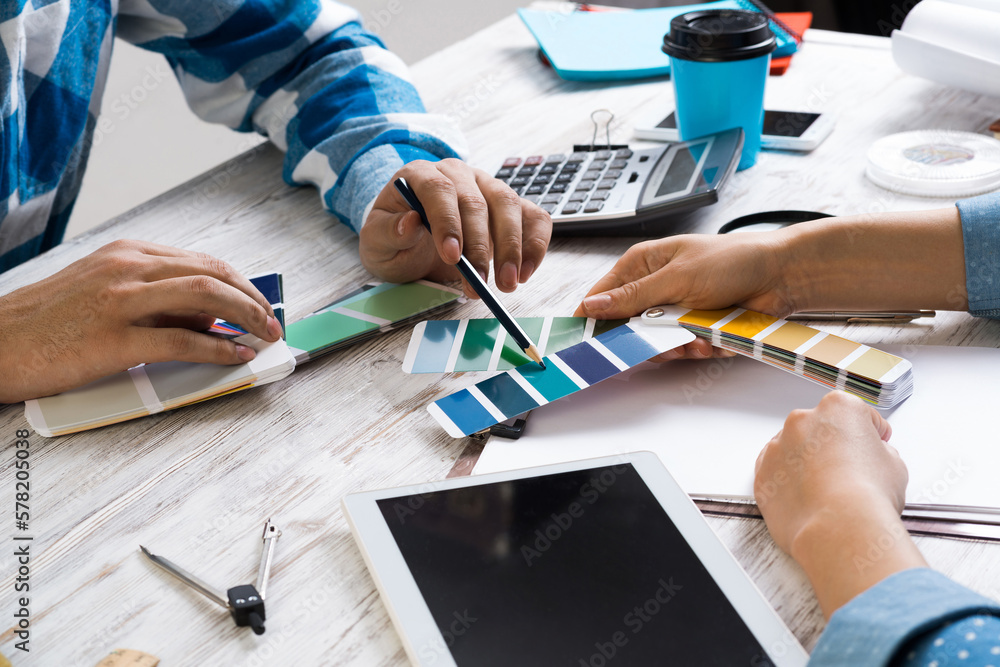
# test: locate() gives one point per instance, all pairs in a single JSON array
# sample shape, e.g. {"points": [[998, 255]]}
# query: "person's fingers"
{"points": [[393, 233], [505, 227], [760, 457], [632, 298], [881, 425], [150, 345], [192, 295], [639, 277], [535, 237], [474, 212], [395, 246], [166, 267], [147, 248], [439, 197], [142, 260], [637, 262]]}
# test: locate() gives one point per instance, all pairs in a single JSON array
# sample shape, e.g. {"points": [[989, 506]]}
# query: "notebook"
{"points": [[613, 45]]}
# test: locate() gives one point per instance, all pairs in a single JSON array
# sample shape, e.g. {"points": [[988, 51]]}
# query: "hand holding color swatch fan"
{"points": [[152, 388]]}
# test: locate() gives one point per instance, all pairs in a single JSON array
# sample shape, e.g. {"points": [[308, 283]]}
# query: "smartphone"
{"points": [[783, 130]]}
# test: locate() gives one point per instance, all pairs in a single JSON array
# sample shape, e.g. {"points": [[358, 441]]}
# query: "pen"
{"points": [[478, 284], [858, 317]]}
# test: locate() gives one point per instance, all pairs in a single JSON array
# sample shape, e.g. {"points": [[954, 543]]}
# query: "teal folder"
{"points": [[614, 45]]}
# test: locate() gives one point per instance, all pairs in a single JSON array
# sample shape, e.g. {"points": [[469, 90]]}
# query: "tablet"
{"points": [[587, 564]]}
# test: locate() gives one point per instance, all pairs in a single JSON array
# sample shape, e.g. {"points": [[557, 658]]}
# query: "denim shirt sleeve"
{"points": [[981, 234], [875, 625]]}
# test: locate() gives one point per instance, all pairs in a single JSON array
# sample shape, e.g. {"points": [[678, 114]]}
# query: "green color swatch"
{"points": [[477, 346], [324, 329], [399, 303], [512, 356]]}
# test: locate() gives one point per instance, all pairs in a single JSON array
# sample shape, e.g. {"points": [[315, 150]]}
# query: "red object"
{"points": [[797, 21]]}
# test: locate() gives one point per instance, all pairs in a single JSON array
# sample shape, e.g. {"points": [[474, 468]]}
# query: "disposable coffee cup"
{"points": [[719, 61]]}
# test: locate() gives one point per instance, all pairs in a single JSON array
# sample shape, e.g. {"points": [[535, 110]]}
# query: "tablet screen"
{"points": [[579, 568]]}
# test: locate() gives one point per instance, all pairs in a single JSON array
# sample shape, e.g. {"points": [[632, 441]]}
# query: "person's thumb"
{"points": [[630, 299]]}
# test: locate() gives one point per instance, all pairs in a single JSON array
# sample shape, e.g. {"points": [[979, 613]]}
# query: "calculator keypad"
{"points": [[582, 182]]}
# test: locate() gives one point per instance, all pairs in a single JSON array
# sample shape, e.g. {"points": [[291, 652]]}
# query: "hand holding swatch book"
{"points": [[152, 388]]}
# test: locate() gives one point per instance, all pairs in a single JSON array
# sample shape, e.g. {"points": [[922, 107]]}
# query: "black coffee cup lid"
{"points": [[719, 35]]}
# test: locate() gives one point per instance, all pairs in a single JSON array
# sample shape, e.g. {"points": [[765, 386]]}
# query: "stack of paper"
{"points": [[876, 376], [365, 313]]}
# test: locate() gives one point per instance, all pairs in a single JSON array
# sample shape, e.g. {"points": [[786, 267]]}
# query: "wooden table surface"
{"points": [[197, 484]]}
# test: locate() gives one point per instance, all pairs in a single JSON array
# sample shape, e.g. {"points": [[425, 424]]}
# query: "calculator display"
{"points": [[679, 173]]}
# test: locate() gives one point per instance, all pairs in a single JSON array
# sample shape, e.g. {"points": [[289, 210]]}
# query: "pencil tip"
{"points": [[532, 352]]}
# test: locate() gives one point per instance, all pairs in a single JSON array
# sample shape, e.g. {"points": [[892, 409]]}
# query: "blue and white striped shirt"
{"points": [[302, 72]]}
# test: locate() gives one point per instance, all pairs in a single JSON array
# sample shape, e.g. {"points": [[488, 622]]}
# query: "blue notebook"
{"points": [[614, 45]]}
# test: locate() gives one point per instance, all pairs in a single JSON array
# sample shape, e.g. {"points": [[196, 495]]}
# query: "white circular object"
{"points": [[935, 163]]}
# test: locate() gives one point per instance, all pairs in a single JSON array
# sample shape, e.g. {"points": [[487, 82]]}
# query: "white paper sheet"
{"points": [[708, 420]]}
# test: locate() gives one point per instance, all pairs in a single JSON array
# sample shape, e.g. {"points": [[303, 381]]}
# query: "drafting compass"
{"points": [[245, 603]]}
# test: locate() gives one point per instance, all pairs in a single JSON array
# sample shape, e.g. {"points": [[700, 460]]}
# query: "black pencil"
{"points": [[470, 274]]}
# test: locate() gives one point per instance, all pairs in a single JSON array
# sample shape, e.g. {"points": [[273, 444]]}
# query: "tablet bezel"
{"points": [[424, 642]]}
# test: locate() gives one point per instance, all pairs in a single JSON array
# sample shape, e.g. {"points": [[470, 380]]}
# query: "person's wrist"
{"points": [[796, 266], [850, 545]]}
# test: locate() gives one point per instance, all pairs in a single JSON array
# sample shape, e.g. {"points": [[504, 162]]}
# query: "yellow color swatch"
{"points": [[789, 336], [749, 324], [831, 350], [874, 364], [704, 318]]}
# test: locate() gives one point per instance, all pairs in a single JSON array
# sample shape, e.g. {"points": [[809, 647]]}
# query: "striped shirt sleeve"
{"points": [[309, 77]]}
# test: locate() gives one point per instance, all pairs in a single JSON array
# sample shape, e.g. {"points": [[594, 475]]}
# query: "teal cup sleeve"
{"points": [[716, 96]]}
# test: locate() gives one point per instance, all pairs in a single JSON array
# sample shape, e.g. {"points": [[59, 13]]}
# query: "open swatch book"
{"points": [[584, 352], [152, 388]]}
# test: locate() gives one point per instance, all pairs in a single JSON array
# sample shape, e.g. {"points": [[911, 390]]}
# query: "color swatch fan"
{"points": [[567, 371], [873, 375]]}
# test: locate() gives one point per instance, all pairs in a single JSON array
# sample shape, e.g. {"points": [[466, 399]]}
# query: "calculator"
{"points": [[625, 192]]}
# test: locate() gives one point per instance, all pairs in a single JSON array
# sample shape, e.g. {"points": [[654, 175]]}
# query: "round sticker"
{"points": [[938, 154]]}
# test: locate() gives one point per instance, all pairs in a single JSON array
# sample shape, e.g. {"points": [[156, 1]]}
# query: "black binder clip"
{"points": [[512, 429], [244, 603], [594, 146]]}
